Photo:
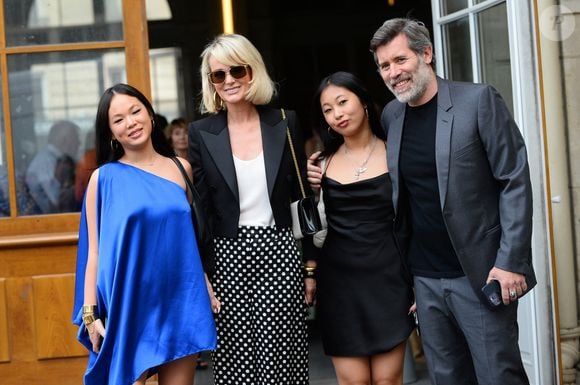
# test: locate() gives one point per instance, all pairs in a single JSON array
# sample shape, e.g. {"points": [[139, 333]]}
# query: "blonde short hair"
{"points": [[234, 49]]}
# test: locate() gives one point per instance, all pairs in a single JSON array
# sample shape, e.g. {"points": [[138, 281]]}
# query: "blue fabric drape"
{"points": [[151, 292]]}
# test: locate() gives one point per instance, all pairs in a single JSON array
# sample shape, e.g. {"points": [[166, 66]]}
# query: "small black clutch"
{"points": [[305, 217]]}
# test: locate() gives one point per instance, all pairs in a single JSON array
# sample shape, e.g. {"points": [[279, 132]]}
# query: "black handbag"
{"points": [[305, 218], [203, 233]]}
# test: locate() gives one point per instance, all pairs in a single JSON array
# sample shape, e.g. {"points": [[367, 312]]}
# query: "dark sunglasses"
{"points": [[237, 72]]}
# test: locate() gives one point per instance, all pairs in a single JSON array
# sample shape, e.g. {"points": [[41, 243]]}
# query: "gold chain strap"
{"points": [[293, 155]]}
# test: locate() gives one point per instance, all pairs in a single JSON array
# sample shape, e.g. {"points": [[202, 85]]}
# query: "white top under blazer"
{"points": [[255, 209]]}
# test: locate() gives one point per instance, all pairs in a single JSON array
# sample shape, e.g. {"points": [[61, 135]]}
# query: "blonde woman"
{"points": [[245, 174]]}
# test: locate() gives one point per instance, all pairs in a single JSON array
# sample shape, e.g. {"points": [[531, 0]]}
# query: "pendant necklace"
{"points": [[362, 168]]}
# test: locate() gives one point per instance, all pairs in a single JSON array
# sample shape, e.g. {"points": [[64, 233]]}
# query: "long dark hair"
{"points": [[109, 150], [331, 139]]}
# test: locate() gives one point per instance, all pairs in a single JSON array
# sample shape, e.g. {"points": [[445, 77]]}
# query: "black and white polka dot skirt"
{"points": [[262, 336]]}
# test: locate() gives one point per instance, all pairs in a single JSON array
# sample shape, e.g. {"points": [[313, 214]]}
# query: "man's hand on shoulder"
{"points": [[314, 170]]}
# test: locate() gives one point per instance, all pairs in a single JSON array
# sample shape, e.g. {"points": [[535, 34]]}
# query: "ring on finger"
{"points": [[513, 294]]}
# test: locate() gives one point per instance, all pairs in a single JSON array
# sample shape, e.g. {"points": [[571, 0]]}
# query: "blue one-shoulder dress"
{"points": [[151, 292]]}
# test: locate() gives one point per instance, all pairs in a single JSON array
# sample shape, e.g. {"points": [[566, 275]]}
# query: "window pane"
{"points": [[458, 50], [158, 10], [495, 50], [62, 21], [4, 191], [450, 6], [53, 102], [166, 82]]}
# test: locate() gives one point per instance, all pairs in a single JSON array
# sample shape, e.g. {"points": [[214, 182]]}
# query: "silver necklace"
{"points": [[362, 168]]}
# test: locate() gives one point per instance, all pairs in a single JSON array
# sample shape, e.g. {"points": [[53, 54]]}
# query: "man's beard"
{"points": [[419, 81]]}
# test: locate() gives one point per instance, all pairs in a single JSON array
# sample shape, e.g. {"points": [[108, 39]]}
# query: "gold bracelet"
{"points": [[87, 309], [309, 271], [309, 274], [89, 318]]}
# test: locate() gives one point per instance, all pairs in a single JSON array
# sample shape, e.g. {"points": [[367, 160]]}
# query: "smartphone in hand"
{"points": [[492, 292]]}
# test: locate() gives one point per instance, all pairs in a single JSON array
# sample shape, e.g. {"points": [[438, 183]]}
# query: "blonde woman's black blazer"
{"points": [[214, 173]]}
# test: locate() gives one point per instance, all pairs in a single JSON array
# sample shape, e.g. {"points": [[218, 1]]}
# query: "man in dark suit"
{"points": [[461, 181]]}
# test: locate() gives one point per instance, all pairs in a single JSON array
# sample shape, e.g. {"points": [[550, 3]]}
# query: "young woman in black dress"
{"points": [[363, 290]]}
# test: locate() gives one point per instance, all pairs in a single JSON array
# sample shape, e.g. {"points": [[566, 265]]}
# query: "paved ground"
{"points": [[321, 371]]}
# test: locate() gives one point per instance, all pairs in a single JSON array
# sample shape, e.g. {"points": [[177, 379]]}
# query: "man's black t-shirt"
{"points": [[431, 253]]}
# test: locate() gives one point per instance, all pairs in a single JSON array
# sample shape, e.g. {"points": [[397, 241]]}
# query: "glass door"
{"points": [[56, 59]]}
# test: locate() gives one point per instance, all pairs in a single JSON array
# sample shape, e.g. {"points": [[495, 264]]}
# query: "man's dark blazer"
{"points": [[483, 176], [214, 174]]}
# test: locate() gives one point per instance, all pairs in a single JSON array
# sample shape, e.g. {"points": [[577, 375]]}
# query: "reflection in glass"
{"points": [[4, 192], [458, 50], [158, 10], [53, 101], [39, 22], [50, 175], [450, 6], [495, 50], [166, 82], [23, 203]]}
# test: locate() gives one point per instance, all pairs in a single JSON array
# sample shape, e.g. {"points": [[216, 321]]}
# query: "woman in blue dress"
{"points": [[141, 298]]}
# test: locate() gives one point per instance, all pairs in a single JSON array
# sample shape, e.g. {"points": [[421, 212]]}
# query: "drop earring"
{"points": [[219, 103], [331, 133]]}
